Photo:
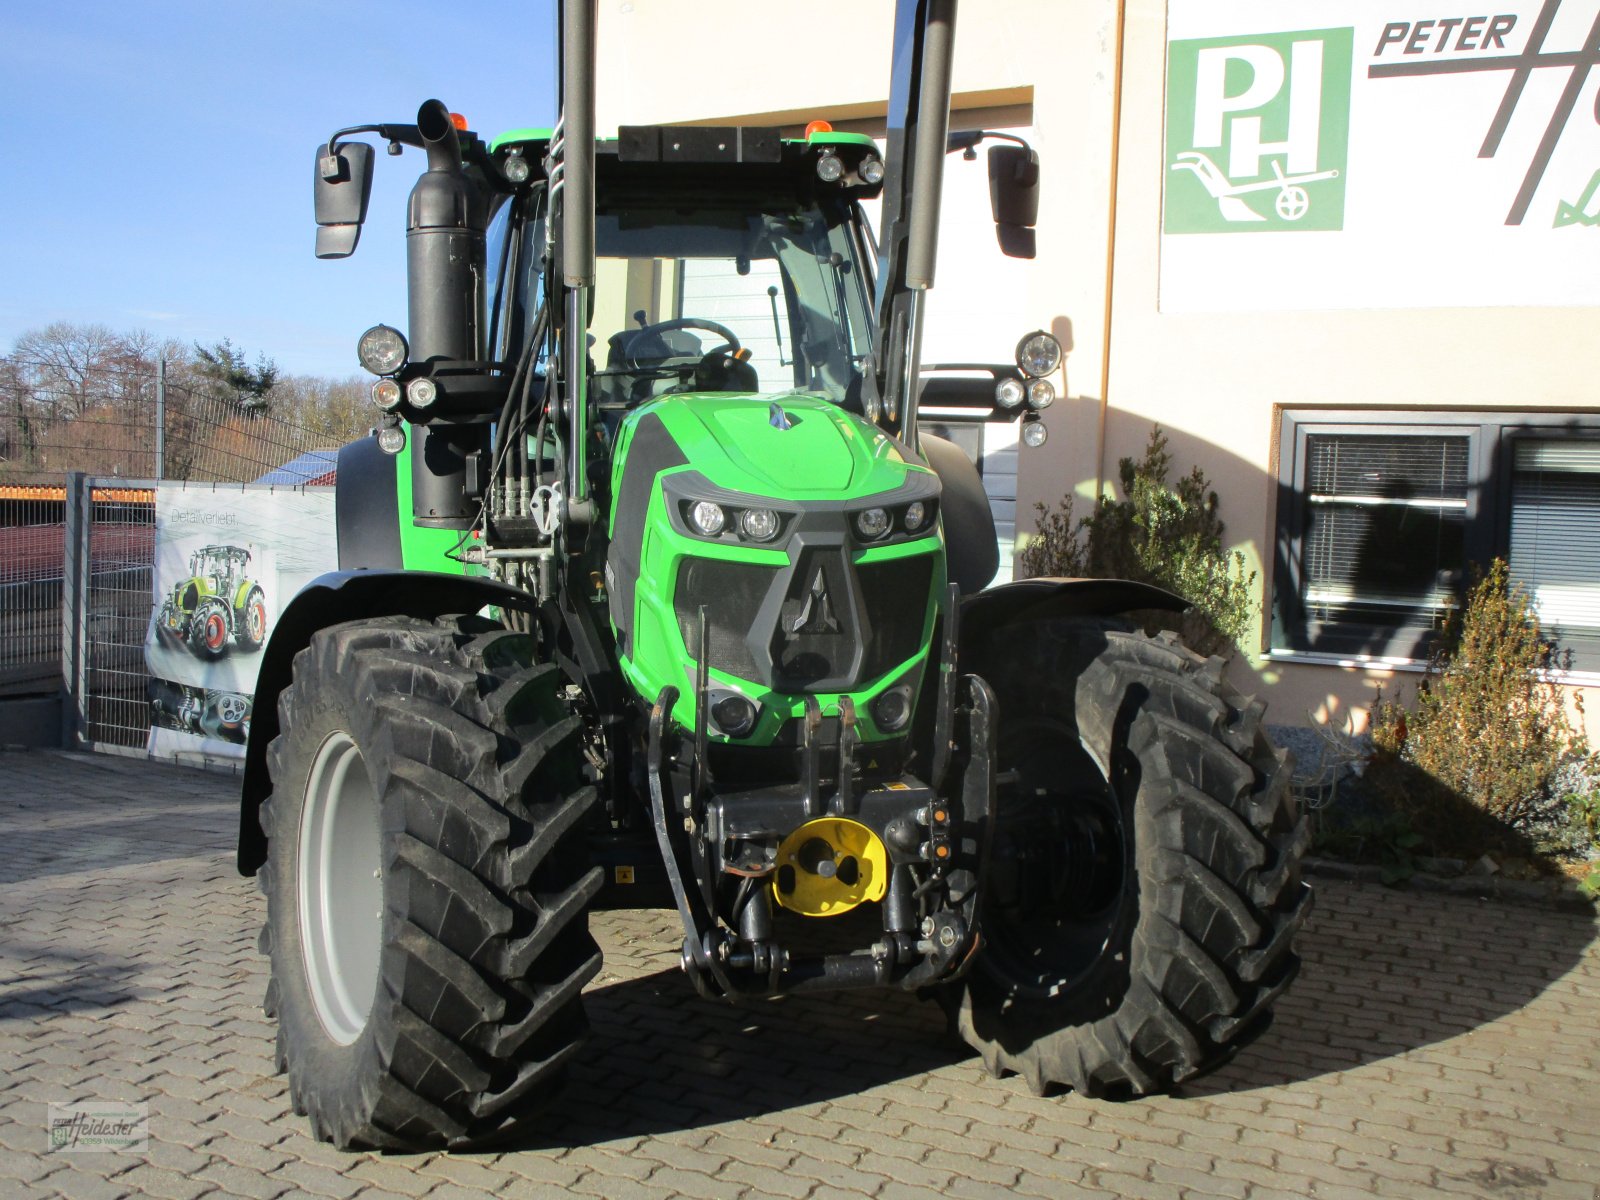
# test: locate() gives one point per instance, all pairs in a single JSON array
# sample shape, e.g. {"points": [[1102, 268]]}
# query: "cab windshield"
{"points": [[744, 293]]}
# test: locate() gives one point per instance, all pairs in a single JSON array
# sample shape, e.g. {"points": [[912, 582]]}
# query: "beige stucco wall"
{"points": [[1212, 381]]}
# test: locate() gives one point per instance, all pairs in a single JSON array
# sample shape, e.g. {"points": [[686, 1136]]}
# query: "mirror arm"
{"points": [[967, 141]]}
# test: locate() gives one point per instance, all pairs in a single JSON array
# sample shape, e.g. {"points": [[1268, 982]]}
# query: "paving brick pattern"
{"points": [[1433, 1046]]}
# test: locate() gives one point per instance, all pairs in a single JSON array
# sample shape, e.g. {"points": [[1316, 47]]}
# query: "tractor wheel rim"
{"points": [[1055, 940], [216, 631], [341, 888]]}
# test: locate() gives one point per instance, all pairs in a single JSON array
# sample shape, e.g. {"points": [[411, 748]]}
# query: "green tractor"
{"points": [[217, 606], [653, 591]]}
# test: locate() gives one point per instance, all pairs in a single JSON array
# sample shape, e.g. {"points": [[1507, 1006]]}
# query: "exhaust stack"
{"points": [[445, 220]]}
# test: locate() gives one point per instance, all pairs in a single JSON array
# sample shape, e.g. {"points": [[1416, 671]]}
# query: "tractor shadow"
{"points": [[663, 1059], [1385, 972], [37, 982]]}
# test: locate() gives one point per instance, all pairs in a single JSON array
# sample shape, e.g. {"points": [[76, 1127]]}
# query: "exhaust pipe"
{"points": [[445, 221]]}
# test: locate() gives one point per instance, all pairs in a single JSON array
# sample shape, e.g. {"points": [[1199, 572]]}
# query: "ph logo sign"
{"points": [[1258, 130]]}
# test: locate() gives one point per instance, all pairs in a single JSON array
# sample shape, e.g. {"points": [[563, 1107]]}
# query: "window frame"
{"points": [[1492, 435]]}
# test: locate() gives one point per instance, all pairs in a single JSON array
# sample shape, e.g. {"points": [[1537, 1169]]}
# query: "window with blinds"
{"points": [[1385, 520], [1555, 532], [1382, 518]]}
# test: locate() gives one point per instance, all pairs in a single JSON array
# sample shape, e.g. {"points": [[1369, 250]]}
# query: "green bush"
{"points": [[1160, 533], [1488, 729]]}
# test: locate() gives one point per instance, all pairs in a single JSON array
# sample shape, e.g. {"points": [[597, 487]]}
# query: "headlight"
{"points": [[759, 524], [382, 350], [707, 518], [892, 709], [872, 523], [391, 439], [734, 715], [1041, 393], [422, 392], [1010, 393], [1038, 353], [1033, 433], [916, 515]]}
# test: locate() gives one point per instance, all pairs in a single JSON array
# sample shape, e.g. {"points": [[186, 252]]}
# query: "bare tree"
{"points": [[71, 368]]}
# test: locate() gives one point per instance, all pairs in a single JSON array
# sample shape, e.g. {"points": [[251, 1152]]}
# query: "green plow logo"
{"points": [[1258, 130], [1586, 211]]}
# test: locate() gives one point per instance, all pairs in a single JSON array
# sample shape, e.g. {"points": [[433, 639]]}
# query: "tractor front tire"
{"points": [[1143, 891], [426, 882], [210, 629]]}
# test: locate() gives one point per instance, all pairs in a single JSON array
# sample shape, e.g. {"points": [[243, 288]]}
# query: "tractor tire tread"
{"points": [[486, 899], [1217, 845]]}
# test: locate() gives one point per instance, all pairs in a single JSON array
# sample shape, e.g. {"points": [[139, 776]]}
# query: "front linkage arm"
{"points": [[929, 926]]}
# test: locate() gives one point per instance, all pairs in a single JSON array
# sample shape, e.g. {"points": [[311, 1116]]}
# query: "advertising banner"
{"points": [[1378, 154], [227, 560]]}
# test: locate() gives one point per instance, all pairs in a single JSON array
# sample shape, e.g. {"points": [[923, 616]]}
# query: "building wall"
{"points": [[1091, 77]]}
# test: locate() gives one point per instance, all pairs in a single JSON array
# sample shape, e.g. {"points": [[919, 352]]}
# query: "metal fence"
{"points": [[77, 575], [31, 571]]}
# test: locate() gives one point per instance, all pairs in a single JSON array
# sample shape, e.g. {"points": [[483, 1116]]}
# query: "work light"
{"points": [[1009, 393], [1038, 354], [422, 392], [382, 350]]}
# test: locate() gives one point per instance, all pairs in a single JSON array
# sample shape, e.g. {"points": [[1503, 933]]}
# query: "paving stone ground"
{"points": [[1432, 1046]]}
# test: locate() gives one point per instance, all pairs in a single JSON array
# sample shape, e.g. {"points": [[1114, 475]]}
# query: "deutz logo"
{"points": [[1257, 130], [817, 615]]}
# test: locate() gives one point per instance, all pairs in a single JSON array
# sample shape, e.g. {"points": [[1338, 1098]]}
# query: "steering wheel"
{"points": [[730, 339]]}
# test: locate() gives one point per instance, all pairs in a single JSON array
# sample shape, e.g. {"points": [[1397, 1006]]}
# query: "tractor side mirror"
{"points": [[1014, 198], [343, 187]]}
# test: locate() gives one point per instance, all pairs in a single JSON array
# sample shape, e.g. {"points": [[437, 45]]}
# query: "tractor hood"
{"points": [[794, 447]]}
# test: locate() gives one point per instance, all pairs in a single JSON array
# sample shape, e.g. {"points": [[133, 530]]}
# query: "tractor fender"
{"points": [[366, 507], [1048, 597], [327, 600], [971, 547]]}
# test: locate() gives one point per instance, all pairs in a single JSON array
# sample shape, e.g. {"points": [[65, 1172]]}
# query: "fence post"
{"points": [[75, 611], [161, 418]]}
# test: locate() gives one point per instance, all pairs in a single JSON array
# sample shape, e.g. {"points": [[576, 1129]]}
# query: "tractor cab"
{"points": [[737, 263]]}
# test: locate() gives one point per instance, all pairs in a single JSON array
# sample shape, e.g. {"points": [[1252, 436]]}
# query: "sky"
{"points": [[159, 159]]}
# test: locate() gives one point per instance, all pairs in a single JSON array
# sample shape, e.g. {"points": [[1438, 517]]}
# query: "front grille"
{"points": [[833, 631], [896, 597], [816, 637], [732, 593]]}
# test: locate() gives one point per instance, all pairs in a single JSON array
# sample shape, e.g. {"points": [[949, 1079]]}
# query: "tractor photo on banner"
{"points": [[226, 561]]}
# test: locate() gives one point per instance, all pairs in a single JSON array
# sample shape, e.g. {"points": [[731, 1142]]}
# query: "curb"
{"points": [[1559, 895]]}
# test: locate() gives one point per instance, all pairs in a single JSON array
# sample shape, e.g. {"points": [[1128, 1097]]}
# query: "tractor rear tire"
{"points": [[251, 620], [426, 882], [1144, 889]]}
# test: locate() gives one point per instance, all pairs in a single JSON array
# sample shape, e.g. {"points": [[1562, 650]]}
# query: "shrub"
{"points": [[1160, 533], [1488, 728]]}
